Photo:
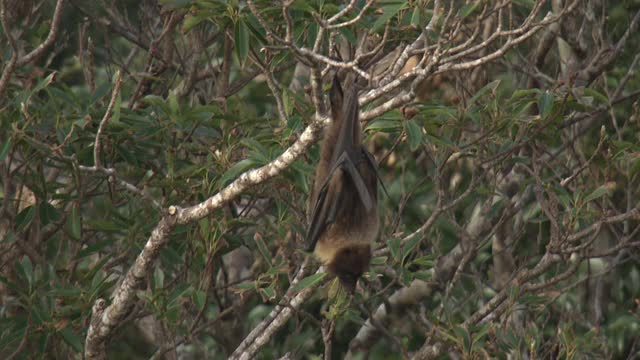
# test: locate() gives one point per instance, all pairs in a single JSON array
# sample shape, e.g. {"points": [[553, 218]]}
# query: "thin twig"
{"points": [[107, 116]]}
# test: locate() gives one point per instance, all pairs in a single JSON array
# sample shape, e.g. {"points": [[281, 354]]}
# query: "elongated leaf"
{"points": [[192, 21], [600, 192], [242, 41], [180, 291], [409, 246], [414, 134], [394, 248], [25, 217], [489, 87], [48, 213], [262, 248], [597, 95], [4, 149], [381, 124], [389, 10], [72, 338], [309, 281], [75, 223], [545, 103], [10, 237], [25, 268], [91, 249], [200, 299], [469, 9]]}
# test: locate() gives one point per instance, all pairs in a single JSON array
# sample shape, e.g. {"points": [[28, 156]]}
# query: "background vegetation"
{"points": [[155, 160]]}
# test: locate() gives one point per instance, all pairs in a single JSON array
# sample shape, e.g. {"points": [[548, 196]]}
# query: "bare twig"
{"points": [[107, 116], [328, 328], [354, 20], [51, 37]]}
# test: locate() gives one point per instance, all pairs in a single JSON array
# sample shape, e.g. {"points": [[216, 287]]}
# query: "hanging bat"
{"points": [[343, 203]]}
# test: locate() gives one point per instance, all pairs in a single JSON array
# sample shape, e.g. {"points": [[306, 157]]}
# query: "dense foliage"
{"points": [[156, 157]]}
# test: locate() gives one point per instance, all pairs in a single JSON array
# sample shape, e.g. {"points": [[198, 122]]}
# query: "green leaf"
{"points": [[309, 281], [601, 97], [241, 42], [180, 291], [409, 246], [260, 150], [462, 333], [12, 286], [75, 223], [427, 261], [513, 292], [268, 293], [192, 21], [389, 10], [45, 82], [415, 16], [158, 102], [115, 116], [65, 292], [200, 299], [262, 248], [545, 103], [176, 4], [381, 124], [44, 343], [158, 278], [379, 260], [105, 225], [520, 93], [441, 141], [25, 269], [4, 149], [10, 237], [257, 31], [394, 248], [492, 86], [72, 338], [245, 286], [288, 101], [25, 217], [48, 213], [600, 192], [94, 248], [423, 275], [174, 107], [237, 169], [469, 9], [16, 333], [414, 134], [302, 6], [527, 4], [481, 331]]}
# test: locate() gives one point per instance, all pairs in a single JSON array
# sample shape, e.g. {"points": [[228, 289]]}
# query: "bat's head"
{"points": [[350, 263]]}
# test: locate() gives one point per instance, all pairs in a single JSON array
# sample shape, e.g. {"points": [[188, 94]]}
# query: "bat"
{"points": [[343, 203]]}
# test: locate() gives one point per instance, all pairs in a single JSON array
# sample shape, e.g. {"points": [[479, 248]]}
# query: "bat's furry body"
{"points": [[343, 205]]}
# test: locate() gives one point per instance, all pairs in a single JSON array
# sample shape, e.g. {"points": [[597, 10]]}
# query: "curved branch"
{"points": [[51, 37], [108, 318]]}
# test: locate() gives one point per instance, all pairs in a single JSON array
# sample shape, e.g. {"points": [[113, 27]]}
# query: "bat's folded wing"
{"points": [[324, 213], [374, 165], [330, 195]]}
